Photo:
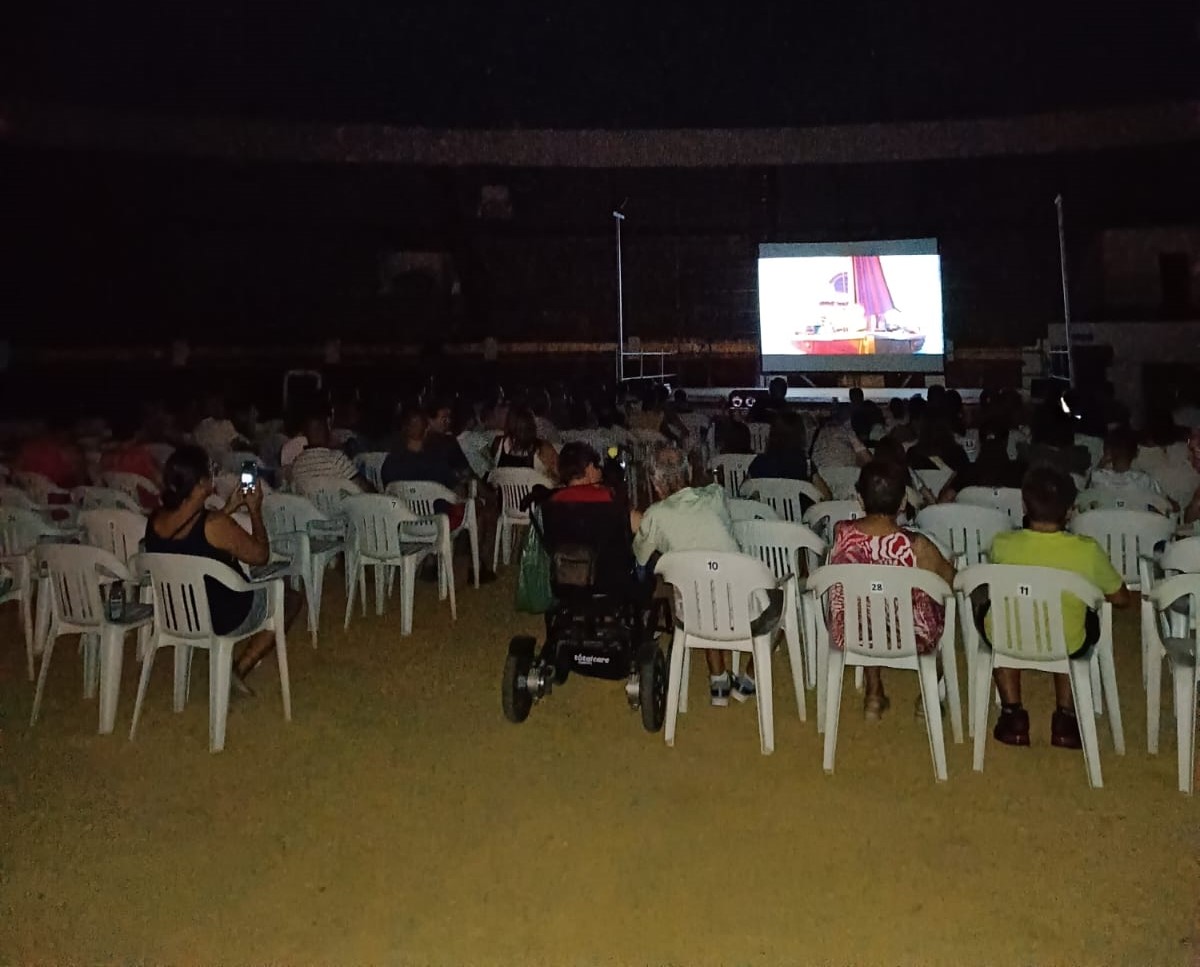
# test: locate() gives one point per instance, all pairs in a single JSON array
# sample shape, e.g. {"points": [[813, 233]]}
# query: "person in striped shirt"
{"points": [[319, 459]]}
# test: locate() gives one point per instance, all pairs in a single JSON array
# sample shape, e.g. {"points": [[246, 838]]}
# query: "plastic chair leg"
{"points": [[791, 634], [143, 684], [380, 587], [674, 688], [90, 645], [408, 587], [1097, 685], [1185, 726], [764, 695], [183, 675], [473, 540], [314, 590], [683, 682], [47, 650], [220, 664], [927, 676], [808, 620], [112, 654], [983, 691], [1107, 673], [496, 544], [970, 652], [822, 684], [27, 627], [1085, 715], [953, 696], [281, 655], [859, 678], [836, 665], [1153, 702]]}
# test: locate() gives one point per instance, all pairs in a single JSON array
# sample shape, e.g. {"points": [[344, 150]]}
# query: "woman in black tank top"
{"points": [[184, 526]]}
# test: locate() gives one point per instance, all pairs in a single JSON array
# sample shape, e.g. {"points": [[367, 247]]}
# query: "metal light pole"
{"points": [[1062, 263], [617, 219]]}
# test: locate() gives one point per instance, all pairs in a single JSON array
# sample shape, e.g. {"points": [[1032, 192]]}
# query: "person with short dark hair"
{"points": [[878, 539], [583, 477], [184, 526], [1049, 497], [1116, 471]]}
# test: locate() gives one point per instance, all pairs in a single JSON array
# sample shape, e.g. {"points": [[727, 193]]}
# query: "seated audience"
{"points": [[1116, 472], [878, 539], [318, 459], [836, 444], [54, 455], [686, 518], [580, 468], [183, 526], [992, 467], [765, 410], [440, 437], [1049, 496], [129, 454], [785, 455], [216, 432], [936, 444], [520, 445]]}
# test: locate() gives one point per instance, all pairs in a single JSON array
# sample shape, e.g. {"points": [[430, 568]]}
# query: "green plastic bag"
{"points": [[533, 579]]}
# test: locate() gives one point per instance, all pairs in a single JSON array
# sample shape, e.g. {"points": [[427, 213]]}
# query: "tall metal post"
{"points": [[1062, 264], [617, 219]]}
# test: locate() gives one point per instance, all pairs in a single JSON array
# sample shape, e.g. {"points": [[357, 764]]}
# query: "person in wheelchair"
{"points": [[599, 625]]}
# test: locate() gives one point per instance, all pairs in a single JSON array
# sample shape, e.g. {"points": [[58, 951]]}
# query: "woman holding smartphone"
{"points": [[183, 526]]}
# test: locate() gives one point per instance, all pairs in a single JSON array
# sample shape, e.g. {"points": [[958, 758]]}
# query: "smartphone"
{"points": [[249, 476]]}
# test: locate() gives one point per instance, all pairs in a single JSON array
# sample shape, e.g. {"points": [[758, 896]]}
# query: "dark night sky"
{"points": [[586, 63]]}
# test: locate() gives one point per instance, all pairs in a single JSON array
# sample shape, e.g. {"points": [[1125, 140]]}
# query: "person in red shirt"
{"points": [[55, 456], [130, 454], [579, 466]]}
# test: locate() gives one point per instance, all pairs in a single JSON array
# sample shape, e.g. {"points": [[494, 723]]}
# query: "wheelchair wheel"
{"points": [[514, 696], [652, 690]]}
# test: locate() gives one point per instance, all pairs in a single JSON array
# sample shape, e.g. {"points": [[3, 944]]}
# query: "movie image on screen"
{"points": [[863, 305]]}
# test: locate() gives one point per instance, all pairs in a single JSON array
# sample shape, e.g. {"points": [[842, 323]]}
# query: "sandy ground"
{"points": [[400, 819]]}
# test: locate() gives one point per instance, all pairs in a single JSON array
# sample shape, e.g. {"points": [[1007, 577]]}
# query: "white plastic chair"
{"points": [[120, 532], [328, 493], [132, 484], [879, 631], [1027, 633], [234, 460], [105, 498], [1113, 498], [1125, 535], [383, 533], [21, 530], [514, 484], [784, 496], [965, 529], [717, 594], [1007, 499], [1181, 651], [75, 573], [823, 517], [182, 621], [743, 509], [1174, 621], [308, 540], [22, 500], [370, 465], [759, 434], [842, 481], [732, 469], [51, 499], [779, 545], [421, 495]]}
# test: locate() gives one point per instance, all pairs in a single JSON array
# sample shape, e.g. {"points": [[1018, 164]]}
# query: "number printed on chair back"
{"points": [[823, 517], [1025, 617], [1007, 499], [733, 468], [876, 601], [714, 591]]}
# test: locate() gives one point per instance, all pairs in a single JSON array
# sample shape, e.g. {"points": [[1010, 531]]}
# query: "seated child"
{"points": [[1049, 496]]}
